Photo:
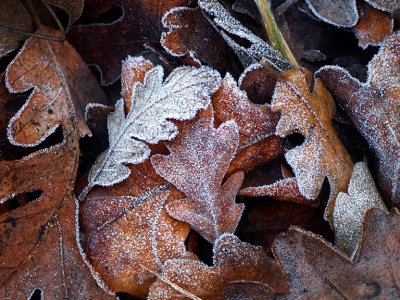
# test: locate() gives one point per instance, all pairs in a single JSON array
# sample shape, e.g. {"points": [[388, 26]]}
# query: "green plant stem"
{"points": [[274, 34]]}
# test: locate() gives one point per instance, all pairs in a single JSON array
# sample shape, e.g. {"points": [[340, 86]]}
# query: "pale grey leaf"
{"points": [[386, 5], [185, 91], [350, 208], [228, 26], [342, 13]]}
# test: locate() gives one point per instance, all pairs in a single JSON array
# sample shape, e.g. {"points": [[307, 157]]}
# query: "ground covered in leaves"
{"points": [[209, 149]]}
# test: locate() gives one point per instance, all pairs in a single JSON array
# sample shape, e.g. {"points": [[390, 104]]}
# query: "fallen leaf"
{"points": [[350, 208], [189, 33], [106, 45], [252, 290], [72, 8], [374, 109], [385, 5], [198, 160], [257, 142], [42, 232], [308, 109], [151, 103], [127, 226], [254, 49], [373, 27], [341, 13], [56, 73], [233, 260], [13, 15], [318, 270]]}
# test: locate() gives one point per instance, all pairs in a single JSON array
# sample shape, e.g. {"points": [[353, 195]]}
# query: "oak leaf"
{"points": [[56, 73], [198, 160], [43, 231], [233, 260], [127, 226], [350, 208], [318, 270], [151, 103], [140, 24], [308, 109], [374, 109], [230, 29]]}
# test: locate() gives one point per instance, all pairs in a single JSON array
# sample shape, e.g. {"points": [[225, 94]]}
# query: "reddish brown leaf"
{"points": [[106, 45], [233, 260], [196, 165], [374, 109], [317, 270], [56, 72], [190, 33], [373, 27]]}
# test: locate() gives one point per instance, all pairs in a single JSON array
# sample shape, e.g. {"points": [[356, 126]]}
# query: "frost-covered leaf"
{"points": [[12, 14], [350, 208], [337, 12], [233, 260], [127, 225], [373, 27], [308, 109], [198, 160], [191, 34], [106, 45], [230, 28], [386, 5], [39, 249], [151, 103], [318, 270], [258, 143], [374, 108], [58, 76]]}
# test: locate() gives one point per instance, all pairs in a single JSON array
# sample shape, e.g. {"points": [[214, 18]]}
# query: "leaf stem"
{"points": [[274, 34]]}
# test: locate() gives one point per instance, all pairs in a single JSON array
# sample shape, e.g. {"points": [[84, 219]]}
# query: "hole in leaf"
{"points": [[293, 140], [19, 200], [126, 296], [199, 246], [36, 295]]}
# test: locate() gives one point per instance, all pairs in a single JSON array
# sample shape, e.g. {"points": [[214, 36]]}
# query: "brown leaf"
{"points": [[374, 109], [56, 72], [106, 45], [233, 260], [73, 8], [308, 109], [373, 27], [13, 14], [318, 270], [197, 163], [42, 232], [257, 142], [190, 33], [127, 226], [239, 290]]}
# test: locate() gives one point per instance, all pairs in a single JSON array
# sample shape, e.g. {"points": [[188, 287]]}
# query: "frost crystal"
{"points": [[228, 26], [350, 208], [184, 92]]}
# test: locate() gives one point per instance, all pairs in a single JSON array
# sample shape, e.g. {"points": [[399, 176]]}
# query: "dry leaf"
{"points": [[247, 290], [386, 5], [317, 270], [140, 24], [190, 33], [198, 160], [341, 13], [373, 27], [56, 73], [257, 142], [232, 30], [127, 226], [151, 103], [233, 260], [73, 8], [374, 109], [308, 109], [350, 208], [42, 232], [13, 14]]}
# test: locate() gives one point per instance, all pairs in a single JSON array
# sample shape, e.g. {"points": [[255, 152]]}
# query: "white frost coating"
{"points": [[95, 275], [334, 9], [225, 23], [386, 5], [184, 92], [350, 208], [91, 106]]}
